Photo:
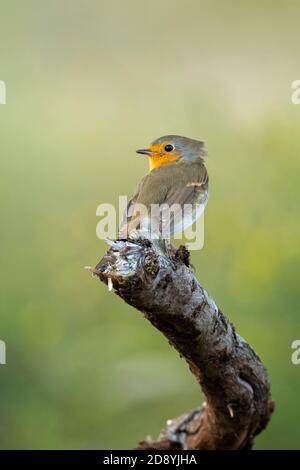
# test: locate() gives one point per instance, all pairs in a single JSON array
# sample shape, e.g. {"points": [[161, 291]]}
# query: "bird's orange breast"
{"points": [[156, 161]]}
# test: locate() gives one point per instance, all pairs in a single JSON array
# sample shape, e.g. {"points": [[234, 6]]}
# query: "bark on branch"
{"points": [[231, 375]]}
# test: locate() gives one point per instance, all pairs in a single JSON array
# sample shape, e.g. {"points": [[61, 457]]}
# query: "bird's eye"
{"points": [[169, 148]]}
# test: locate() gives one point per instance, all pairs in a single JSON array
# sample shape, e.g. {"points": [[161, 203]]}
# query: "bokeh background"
{"points": [[87, 84]]}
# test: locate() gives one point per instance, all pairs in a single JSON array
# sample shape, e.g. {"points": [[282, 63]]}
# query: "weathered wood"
{"points": [[160, 284]]}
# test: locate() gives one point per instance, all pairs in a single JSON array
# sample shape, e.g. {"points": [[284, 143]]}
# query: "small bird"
{"points": [[177, 180]]}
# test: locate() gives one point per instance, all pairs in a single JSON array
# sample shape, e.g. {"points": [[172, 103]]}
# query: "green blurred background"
{"points": [[87, 84]]}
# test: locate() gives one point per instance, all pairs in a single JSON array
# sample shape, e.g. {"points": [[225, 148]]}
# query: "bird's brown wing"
{"points": [[188, 198], [169, 185]]}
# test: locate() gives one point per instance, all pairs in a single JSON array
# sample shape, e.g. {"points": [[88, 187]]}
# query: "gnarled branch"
{"points": [[162, 286]]}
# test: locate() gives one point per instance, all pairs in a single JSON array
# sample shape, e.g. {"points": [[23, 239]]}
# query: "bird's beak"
{"points": [[145, 152]]}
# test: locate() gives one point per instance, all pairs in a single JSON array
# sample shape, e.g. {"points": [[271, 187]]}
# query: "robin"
{"points": [[173, 195]]}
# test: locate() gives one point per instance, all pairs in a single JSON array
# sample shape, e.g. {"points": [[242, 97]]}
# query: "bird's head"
{"points": [[172, 148]]}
